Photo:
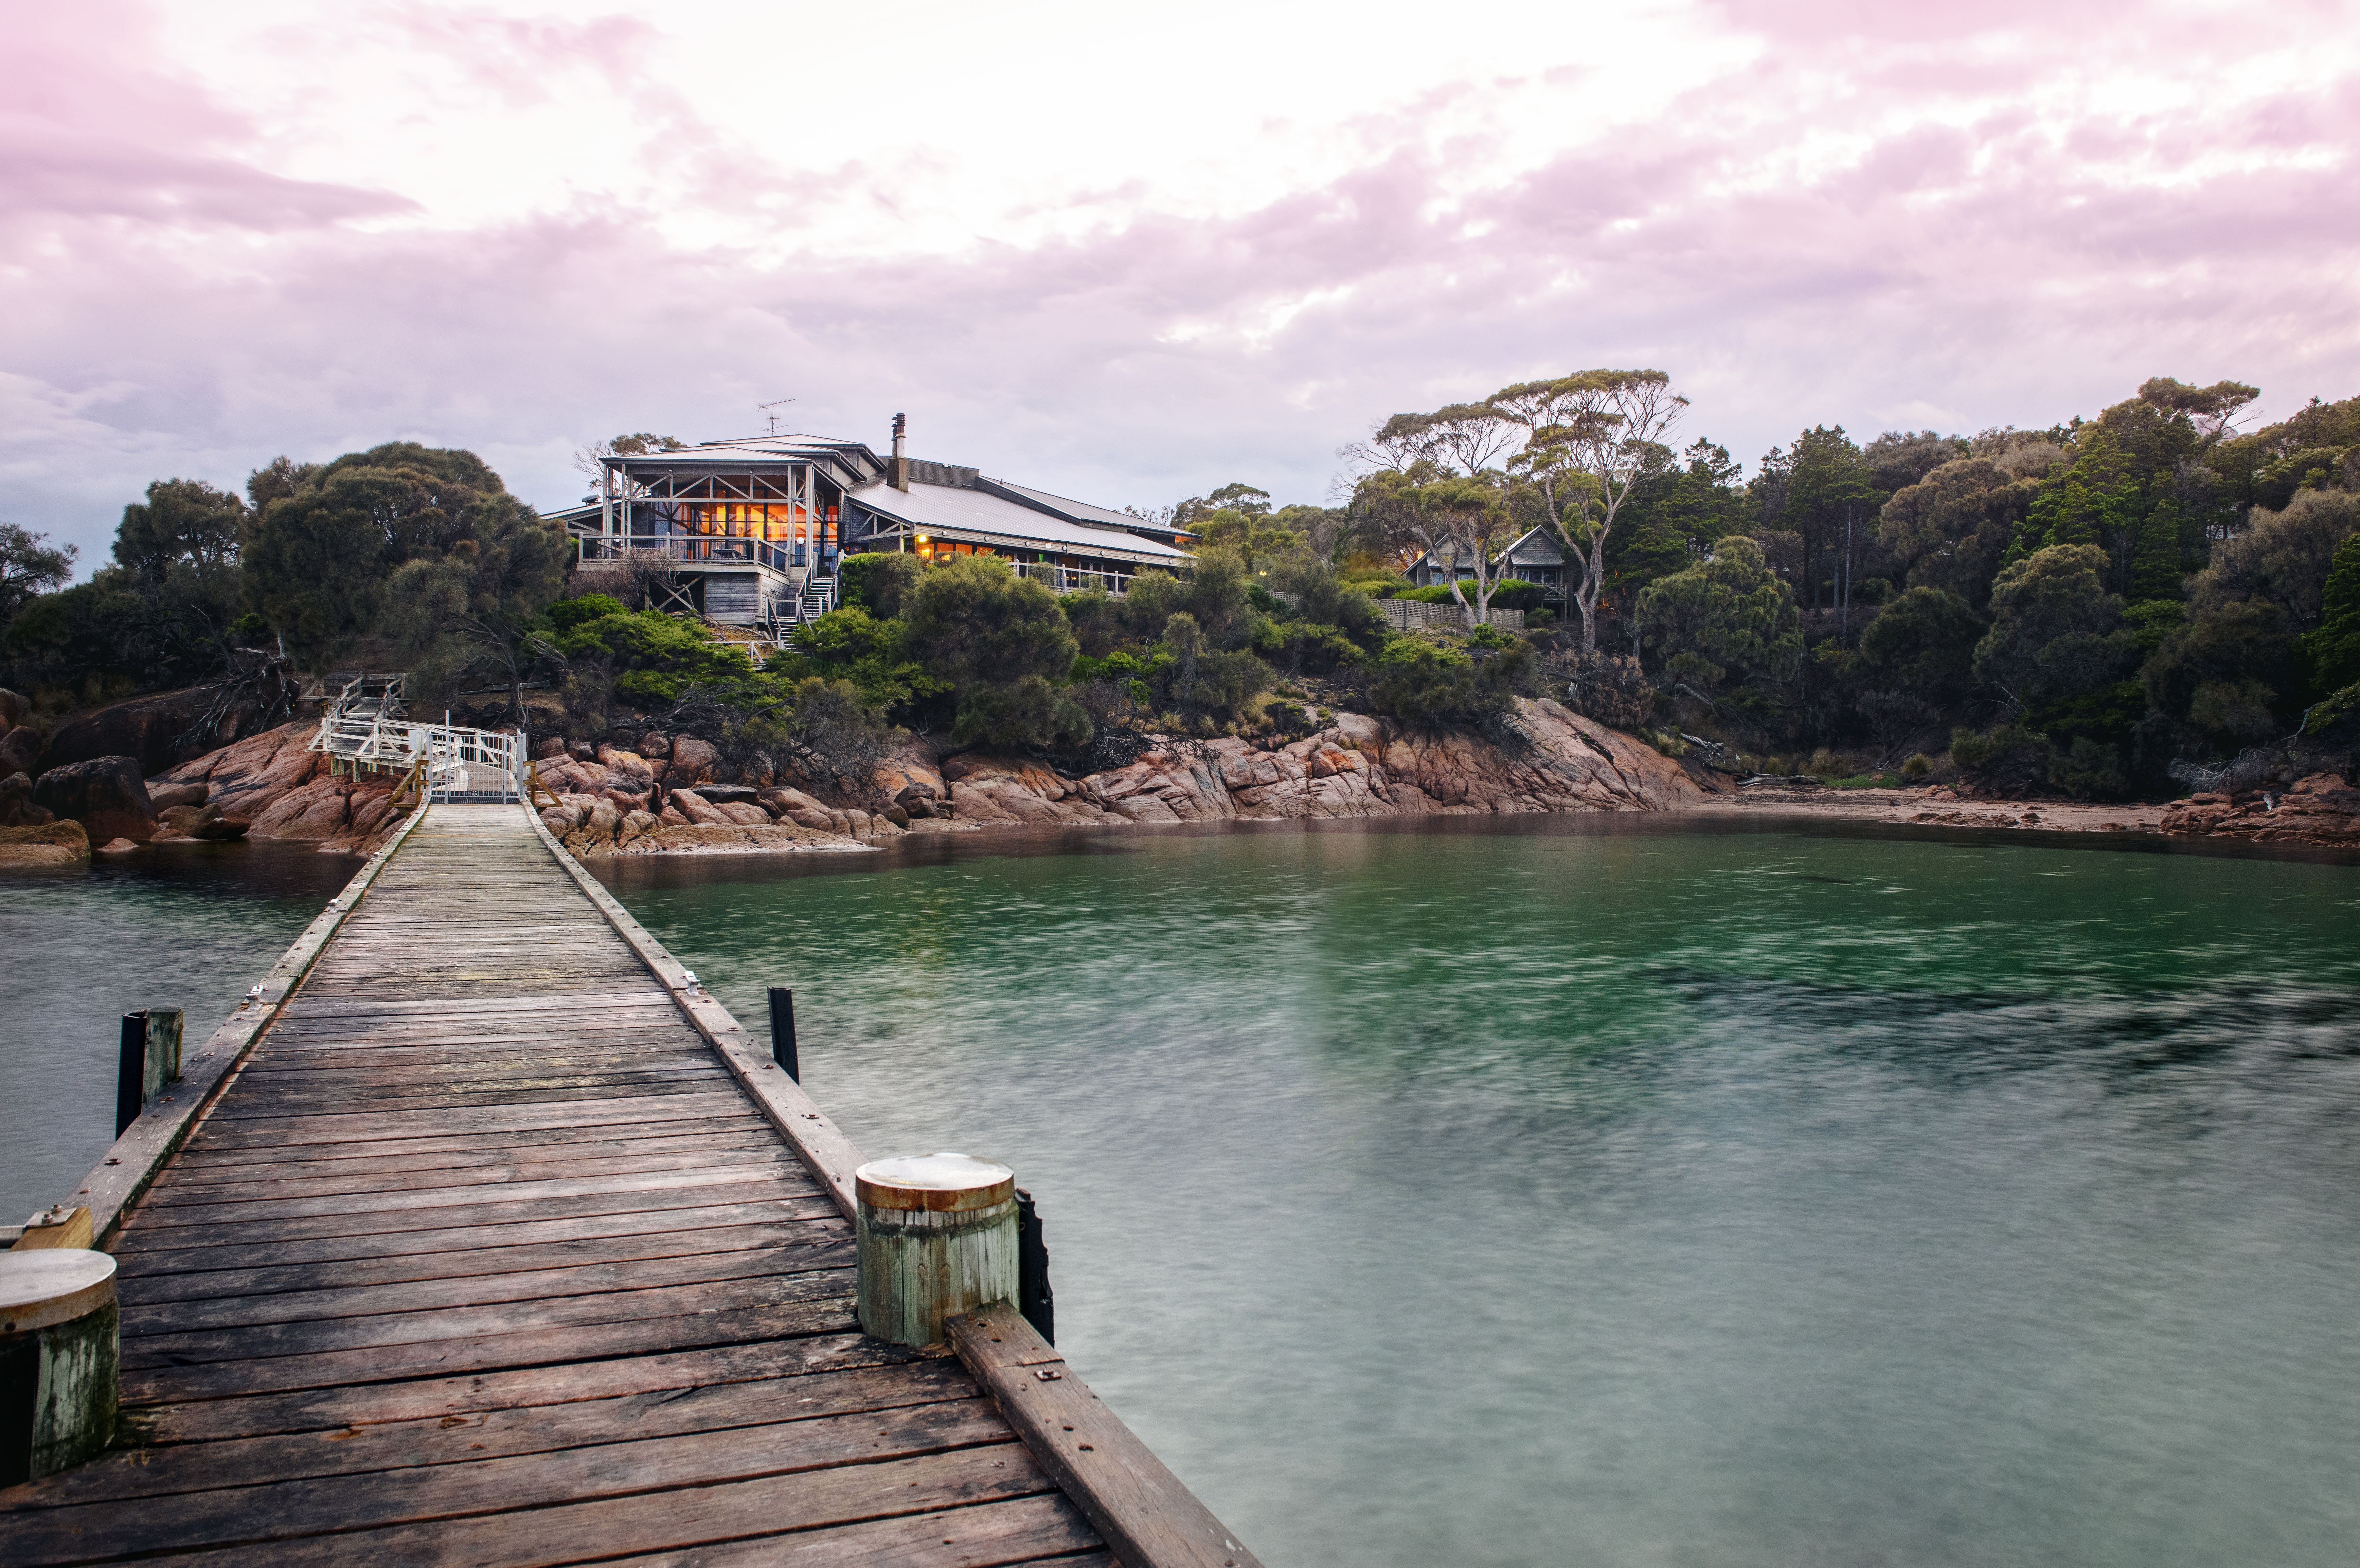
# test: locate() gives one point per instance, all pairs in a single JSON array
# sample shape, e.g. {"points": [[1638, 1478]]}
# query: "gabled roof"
{"points": [[1538, 545], [979, 516], [854, 457]]}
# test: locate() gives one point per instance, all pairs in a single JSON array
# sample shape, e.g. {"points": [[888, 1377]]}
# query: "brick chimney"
{"points": [[897, 473]]}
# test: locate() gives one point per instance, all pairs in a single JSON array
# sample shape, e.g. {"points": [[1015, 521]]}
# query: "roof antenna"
{"points": [[770, 412]]}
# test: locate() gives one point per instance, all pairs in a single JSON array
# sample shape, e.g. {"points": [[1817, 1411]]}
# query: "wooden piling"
{"points": [[782, 1030], [1033, 1296], [935, 1235], [59, 1353], [147, 1058]]}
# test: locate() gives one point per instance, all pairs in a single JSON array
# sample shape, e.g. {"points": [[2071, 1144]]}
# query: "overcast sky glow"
{"points": [[1134, 252]]}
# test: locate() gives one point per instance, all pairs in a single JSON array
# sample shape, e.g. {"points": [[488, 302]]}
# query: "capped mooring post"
{"points": [[149, 1059], [60, 1352], [936, 1237]]}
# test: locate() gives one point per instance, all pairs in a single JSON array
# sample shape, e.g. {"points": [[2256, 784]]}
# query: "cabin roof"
{"points": [[957, 512]]}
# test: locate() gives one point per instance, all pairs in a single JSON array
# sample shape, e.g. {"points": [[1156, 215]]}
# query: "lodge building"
{"points": [[752, 531]]}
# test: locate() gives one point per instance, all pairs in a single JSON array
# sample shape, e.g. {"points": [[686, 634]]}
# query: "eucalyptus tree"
{"points": [[29, 566], [1607, 429], [1468, 516]]}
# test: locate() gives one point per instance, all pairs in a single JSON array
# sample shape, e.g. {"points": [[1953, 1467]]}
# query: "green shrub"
{"points": [[879, 583], [2008, 758], [2090, 769], [568, 613], [1431, 686], [1917, 767]]}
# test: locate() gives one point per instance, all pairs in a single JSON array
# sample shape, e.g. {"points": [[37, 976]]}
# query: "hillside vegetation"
{"points": [[2105, 608]]}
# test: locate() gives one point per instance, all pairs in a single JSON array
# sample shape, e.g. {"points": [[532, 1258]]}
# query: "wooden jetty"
{"points": [[482, 1235]]}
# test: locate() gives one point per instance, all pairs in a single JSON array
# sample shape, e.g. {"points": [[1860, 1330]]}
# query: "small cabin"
{"points": [[1537, 557]]}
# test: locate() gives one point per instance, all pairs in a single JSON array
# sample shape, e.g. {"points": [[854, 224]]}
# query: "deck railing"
{"points": [[821, 561], [708, 550], [454, 763]]}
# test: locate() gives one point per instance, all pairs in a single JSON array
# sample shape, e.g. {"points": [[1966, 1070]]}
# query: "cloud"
{"points": [[1861, 221]]}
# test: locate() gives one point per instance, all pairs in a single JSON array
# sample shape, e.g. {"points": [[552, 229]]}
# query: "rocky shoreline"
{"points": [[672, 796], [614, 801]]}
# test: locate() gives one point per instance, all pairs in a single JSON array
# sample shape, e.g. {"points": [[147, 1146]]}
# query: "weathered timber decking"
{"points": [[484, 1255]]}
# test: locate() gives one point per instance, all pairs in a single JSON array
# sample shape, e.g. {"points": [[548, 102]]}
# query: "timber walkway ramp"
{"points": [[481, 1234]]}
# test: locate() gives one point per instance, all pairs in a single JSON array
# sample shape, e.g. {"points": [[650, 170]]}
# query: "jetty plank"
{"points": [[487, 1235]]}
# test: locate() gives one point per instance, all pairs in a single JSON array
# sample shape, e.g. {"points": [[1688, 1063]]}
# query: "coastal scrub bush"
{"points": [[568, 613], [1430, 686], [2008, 759], [1608, 689], [994, 642], [848, 644], [879, 583], [652, 658]]}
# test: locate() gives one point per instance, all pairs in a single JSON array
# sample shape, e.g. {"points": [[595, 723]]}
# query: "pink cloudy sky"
{"points": [[1130, 252]]}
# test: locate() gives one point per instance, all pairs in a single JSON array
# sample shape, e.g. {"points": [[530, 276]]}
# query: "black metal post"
{"points": [[1034, 1300], [782, 1030], [131, 1072]]}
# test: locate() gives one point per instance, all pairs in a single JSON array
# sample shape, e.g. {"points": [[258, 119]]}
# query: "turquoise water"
{"points": [[186, 926], [1632, 1193]]}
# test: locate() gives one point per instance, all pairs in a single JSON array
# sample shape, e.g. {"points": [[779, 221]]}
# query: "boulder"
{"points": [[694, 808], [14, 708], [318, 810], [550, 750], [245, 777], [20, 750], [794, 806], [164, 796], [199, 824], [627, 767], [636, 826], [182, 821], [158, 730], [16, 807], [106, 795], [115, 846], [654, 745], [49, 844], [692, 760]]}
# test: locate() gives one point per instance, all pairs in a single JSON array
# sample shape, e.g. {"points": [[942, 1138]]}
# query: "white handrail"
{"points": [[456, 760]]}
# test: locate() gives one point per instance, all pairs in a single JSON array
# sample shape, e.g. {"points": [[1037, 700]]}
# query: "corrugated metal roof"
{"points": [[938, 507], [1083, 512], [775, 449]]}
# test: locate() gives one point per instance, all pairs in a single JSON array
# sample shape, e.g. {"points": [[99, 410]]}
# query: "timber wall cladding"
{"points": [[732, 595]]}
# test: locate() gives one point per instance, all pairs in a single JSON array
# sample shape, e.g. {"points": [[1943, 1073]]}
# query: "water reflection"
{"points": [[1624, 1193]]}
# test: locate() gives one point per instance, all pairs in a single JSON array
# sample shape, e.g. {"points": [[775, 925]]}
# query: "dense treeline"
{"points": [[2080, 607], [2097, 607]]}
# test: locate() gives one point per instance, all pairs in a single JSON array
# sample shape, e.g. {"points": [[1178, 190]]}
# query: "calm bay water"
{"points": [[186, 926], [1562, 1192], [1572, 1194]]}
